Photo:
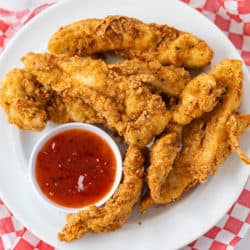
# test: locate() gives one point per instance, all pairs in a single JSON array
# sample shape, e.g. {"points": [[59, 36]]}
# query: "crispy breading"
{"points": [[162, 157], [206, 141], [125, 103], [199, 96], [169, 80], [29, 104], [131, 38], [186, 171], [79, 111], [24, 100], [116, 210], [56, 110]]}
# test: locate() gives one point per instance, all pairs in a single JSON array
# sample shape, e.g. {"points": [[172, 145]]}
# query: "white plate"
{"points": [[168, 227]]}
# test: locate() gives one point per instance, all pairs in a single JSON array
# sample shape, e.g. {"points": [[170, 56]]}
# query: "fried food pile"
{"points": [[150, 97]]}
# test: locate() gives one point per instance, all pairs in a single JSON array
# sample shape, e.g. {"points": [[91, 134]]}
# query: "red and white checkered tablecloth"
{"points": [[233, 18]]}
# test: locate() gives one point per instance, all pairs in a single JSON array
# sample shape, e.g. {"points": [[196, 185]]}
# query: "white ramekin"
{"points": [[69, 126]]}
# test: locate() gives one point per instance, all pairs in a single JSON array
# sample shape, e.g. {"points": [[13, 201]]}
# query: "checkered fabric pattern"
{"points": [[233, 18], [230, 229], [12, 21]]}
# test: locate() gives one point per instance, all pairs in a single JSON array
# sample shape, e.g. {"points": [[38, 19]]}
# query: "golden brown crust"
{"points": [[24, 100], [206, 142], [29, 104], [90, 36], [131, 38], [162, 156], [124, 102], [169, 80], [199, 96], [117, 210]]}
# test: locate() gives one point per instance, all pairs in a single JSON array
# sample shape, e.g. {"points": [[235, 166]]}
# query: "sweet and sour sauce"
{"points": [[75, 168]]}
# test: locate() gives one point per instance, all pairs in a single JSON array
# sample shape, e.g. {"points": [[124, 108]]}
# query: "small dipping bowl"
{"points": [[47, 145]]}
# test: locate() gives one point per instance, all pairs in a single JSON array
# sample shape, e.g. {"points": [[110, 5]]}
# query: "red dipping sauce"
{"points": [[75, 168]]}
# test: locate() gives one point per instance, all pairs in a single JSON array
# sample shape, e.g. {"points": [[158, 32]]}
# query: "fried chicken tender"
{"points": [[199, 96], [131, 38], [207, 141], [162, 156], [29, 104], [186, 171], [125, 103], [169, 80], [24, 100], [79, 111], [117, 210], [56, 110]]}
